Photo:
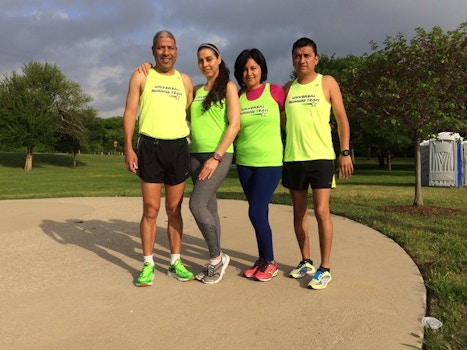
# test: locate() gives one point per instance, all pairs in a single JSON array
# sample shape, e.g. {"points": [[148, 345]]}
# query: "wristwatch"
{"points": [[217, 157], [345, 153]]}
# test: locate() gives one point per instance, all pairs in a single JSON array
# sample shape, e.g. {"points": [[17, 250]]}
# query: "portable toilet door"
{"points": [[443, 163], [460, 166], [464, 161], [425, 162]]}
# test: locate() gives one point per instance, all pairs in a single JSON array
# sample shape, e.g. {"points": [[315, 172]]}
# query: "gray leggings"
{"points": [[203, 199]]}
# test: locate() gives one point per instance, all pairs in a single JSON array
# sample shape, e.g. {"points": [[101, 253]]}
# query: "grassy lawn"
{"points": [[436, 241]]}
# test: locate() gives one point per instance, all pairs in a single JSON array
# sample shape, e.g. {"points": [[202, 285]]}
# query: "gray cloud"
{"points": [[99, 43]]}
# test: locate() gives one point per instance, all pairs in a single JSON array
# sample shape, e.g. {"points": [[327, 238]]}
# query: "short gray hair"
{"points": [[163, 34]]}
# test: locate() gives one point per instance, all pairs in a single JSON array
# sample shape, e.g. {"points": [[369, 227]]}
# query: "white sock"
{"points": [[214, 262], [149, 259], [174, 258]]}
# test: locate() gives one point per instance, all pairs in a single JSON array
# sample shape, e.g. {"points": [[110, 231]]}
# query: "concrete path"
{"points": [[68, 266]]}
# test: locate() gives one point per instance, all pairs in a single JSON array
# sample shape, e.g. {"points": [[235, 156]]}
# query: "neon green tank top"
{"points": [[207, 128], [259, 142], [308, 116], [163, 107]]}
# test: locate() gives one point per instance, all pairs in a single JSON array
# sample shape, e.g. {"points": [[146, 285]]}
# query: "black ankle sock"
{"points": [[308, 260], [324, 268]]}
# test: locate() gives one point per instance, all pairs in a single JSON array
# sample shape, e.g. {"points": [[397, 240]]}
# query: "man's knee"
{"points": [[322, 214], [150, 212], [174, 211]]}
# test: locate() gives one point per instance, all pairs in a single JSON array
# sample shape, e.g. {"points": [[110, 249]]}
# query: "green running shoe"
{"points": [[180, 272], [146, 276]]}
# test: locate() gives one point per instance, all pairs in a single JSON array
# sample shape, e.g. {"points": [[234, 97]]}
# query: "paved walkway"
{"points": [[68, 266]]}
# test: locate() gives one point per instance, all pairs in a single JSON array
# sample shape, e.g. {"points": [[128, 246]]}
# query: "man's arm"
{"points": [[333, 93], [286, 89], [135, 88], [188, 89]]}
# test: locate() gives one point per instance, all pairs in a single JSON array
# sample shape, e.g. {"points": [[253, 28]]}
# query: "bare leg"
{"points": [[173, 207], [325, 226], [300, 221], [151, 205]]}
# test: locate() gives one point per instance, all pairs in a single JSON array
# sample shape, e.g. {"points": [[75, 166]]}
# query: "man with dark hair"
{"points": [[309, 154]]}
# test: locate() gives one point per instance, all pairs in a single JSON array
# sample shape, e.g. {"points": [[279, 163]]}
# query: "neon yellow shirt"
{"points": [[308, 116], [207, 128], [259, 142], [163, 107]]}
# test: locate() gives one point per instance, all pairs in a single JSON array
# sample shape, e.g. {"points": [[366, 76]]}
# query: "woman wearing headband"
{"points": [[215, 122]]}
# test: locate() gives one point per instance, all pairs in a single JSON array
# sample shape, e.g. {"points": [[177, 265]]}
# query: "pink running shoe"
{"points": [[267, 271], [252, 271]]}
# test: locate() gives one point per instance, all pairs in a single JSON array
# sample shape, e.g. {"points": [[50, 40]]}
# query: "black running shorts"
{"points": [[163, 161], [314, 173]]}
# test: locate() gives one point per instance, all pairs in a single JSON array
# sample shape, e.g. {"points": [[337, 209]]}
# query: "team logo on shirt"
{"points": [[254, 110], [305, 100], [167, 90]]}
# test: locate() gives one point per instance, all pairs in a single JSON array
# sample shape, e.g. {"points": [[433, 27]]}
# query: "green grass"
{"points": [[436, 243]]}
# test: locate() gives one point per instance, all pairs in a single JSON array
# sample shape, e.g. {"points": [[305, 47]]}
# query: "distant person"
{"points": [[215, 121], [162, 154], [259, 152], [309, 154]]}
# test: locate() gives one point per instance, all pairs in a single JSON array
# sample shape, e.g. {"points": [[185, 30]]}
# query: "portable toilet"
{"points": [[464, 162], [445, 160]]}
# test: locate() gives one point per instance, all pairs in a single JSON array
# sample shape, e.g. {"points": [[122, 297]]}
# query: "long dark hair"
{"points": [[240, 63], [219, 88]]}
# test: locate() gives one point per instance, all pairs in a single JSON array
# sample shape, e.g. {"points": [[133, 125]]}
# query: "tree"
{"points": [[113, 131], [38, 106], [414, 89], [73, 131], [95, 128]]}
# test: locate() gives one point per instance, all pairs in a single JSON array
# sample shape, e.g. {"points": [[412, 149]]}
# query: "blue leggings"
{"points": [[259, 184]]}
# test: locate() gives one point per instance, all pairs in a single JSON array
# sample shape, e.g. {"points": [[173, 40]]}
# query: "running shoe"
{"points": [[266, 271], [320, 280], [200, 275], [303, 268], [146, 276], [251, 271], [215, 272], [180, 272]]}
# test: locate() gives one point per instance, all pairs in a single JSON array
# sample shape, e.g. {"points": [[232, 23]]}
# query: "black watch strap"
{"points": [[345, 152]]}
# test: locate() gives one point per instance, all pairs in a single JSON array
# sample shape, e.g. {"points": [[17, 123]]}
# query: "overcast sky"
{"points": [[98, 43]]}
